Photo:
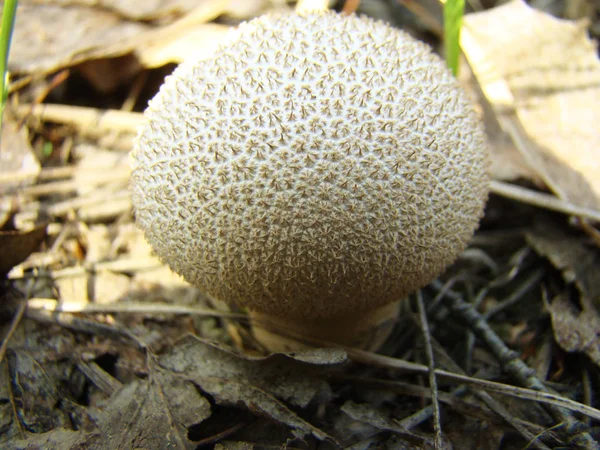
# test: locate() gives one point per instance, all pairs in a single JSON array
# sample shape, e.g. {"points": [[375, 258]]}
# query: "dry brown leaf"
{"points": [[153, 413], [260, 384], [59, 438], [61, 34], [576, 331], [578, 263], [18, 245], [292, 379], [368, 414], [542, 76]]}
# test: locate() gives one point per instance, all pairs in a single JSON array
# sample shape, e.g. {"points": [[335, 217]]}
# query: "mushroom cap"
{"points": [[316, 166]]}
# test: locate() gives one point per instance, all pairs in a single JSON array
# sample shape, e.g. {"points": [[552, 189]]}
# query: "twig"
{"points": [[574, 429], [102, 380], [350, 6], [518, 293], [13, 403], [116, 174], [84, 118], [16, 319], [437, 426], [542, 200], [71, 322], [491, 403], [387, 362], [453, 400], [51, 305]]}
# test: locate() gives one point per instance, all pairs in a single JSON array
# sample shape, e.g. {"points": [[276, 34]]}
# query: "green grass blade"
{"points": [[9, 13], [453, 14]]}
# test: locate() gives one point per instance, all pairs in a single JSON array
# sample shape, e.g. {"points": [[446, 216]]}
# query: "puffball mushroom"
{"points": [[316, 170]]}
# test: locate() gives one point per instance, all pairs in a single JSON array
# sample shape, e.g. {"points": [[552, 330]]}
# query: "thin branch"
{"points": [[526, 376], [387, 362], [437, 425], [542, 200]]}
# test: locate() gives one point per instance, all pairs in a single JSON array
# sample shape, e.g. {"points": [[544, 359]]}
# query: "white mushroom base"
{"points": [[366, 330]]}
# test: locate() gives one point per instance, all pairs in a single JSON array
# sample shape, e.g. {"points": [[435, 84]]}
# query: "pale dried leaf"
{"points": [[18, 164], [198, 41], [110, 287], [48, 37], [97, 243], [542, 75], [247, 9], [93, 165], [576, 331], [73, 289], [156, 9], [190, 37]]}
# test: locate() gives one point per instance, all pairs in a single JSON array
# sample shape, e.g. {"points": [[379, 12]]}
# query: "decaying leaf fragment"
{"points": [[542, 77], [51, 36], [262, 385], [578, 263], [153, 413], [576, 331], [48, 37]]}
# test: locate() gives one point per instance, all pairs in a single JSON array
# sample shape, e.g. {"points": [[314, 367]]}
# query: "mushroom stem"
{"points": [[367, 330]]}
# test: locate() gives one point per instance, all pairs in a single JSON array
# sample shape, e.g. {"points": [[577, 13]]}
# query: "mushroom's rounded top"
{"points": [[316, 166]]}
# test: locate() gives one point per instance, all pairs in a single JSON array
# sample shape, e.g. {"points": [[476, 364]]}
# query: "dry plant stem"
{"points": [[426, 413], [437, 426], [491, 403], [64, 208], [350, 6], [84, 118], [16, 319], [63, 187], [71, 322], [13, 403], [531, 282], [575, 430], [364, 329], [589, 229], [305, 6], [13, 327], [542, 200], [102, 380], [432, 19], [52, 305], [373, 359]]}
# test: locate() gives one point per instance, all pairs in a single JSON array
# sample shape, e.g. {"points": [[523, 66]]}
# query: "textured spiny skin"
{"points": [[317, 166]]}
